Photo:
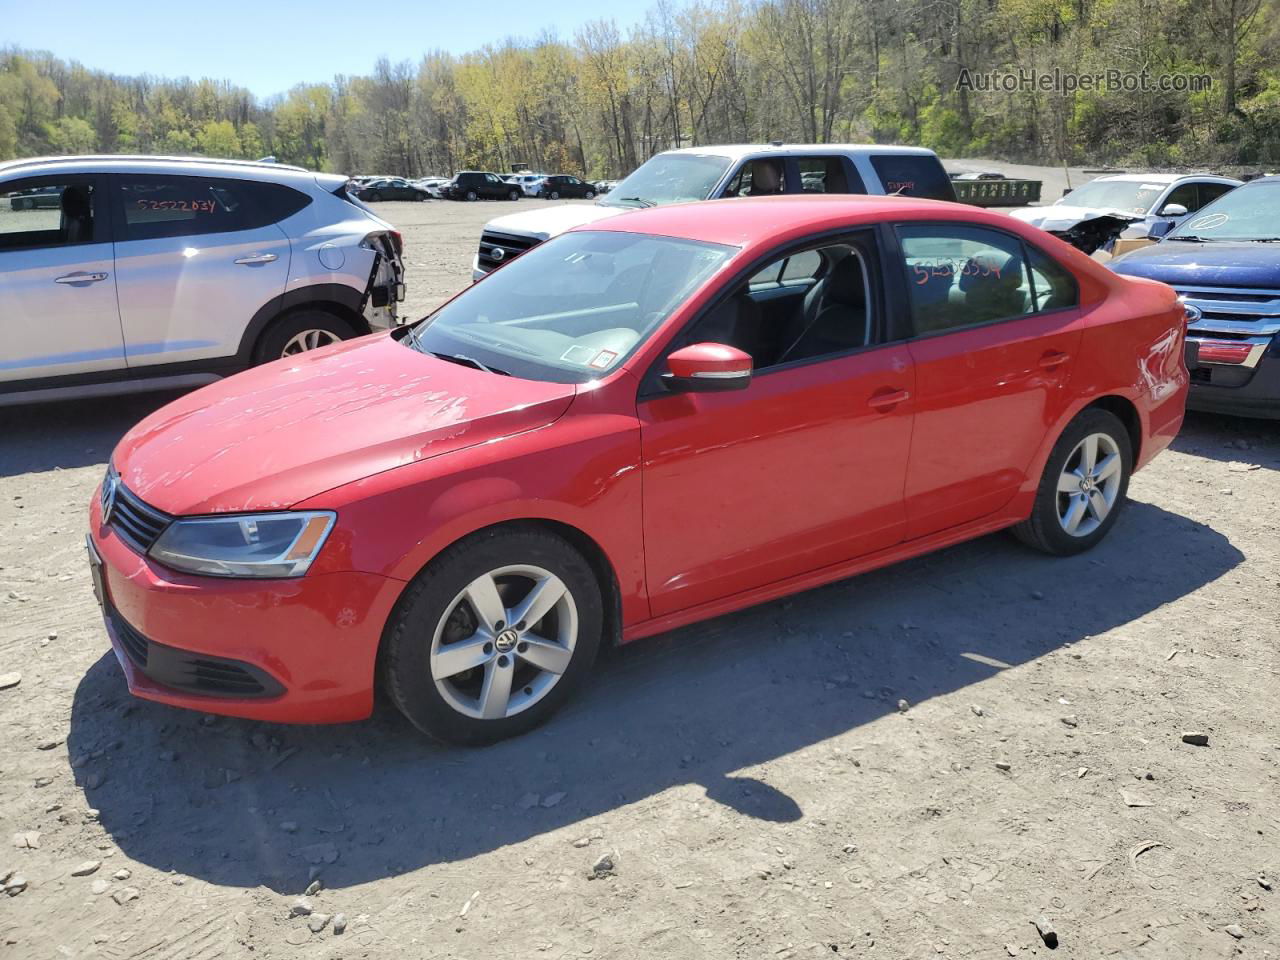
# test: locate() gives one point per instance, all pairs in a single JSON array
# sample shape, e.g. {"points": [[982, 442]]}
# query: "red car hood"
{"points": [[273, 436]]}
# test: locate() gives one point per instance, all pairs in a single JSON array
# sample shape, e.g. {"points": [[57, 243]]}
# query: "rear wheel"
{"points": [[553, 195], [375, 196], [1084, 486], [493, 637], [472, 195], [300, 332]]}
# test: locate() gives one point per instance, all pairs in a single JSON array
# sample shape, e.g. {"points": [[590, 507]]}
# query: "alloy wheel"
{"points": [[504, 642], [308, 340], [1089, 484]]}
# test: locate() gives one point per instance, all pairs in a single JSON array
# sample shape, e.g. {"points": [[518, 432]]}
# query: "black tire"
{"points": [[513, 195], [553, 195], [589, 195], [373, 197], [1043, 530], [423, 196], [472, 195], [271, 345], [430, 598]]}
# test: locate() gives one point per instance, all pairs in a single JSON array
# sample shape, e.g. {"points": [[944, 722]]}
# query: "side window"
{"points": [[826, 175], [757, 178], [491, 178], [48, 213], [829, 316], [1053, 285], [1210, 192], [912, 175], [959, 276], [1185, 194], [155, 207]]}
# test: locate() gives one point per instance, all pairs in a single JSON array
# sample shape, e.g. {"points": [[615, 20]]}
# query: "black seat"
{"points": [[736, 322], [992, 286], [834, 318], [77, 215]]}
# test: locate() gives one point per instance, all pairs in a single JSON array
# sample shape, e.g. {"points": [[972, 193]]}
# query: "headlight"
{"points": [[245, 545]]}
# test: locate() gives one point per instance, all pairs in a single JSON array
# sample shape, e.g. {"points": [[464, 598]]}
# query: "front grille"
{"points": [[190, 672], [139, 524], [1234, 310], [510, 245]]}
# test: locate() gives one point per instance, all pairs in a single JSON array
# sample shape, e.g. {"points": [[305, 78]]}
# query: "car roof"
{"points": [[751, 221], [120, 163], [739, 150], [1165, 178]]}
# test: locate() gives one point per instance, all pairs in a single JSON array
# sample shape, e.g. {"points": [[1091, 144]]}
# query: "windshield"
{"points": [[570, 309], [669, 178], [1131, 196], [1251, 212]]}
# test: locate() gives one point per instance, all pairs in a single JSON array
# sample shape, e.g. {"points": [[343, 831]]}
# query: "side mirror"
{"points": [[1173, 210], [707, 368], [1160, 229]]}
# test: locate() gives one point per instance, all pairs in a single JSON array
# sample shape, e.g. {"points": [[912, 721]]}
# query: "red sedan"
{"points": [[649, 421]]}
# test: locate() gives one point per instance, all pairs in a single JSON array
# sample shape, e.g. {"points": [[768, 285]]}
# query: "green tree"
{"points": [[218, 138], [72, 135]]}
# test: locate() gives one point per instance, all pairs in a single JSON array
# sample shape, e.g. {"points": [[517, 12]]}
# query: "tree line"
{"points": [[719, 71]]}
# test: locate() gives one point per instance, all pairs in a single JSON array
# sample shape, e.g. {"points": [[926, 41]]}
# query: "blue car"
{"points": [[1224, 261]]}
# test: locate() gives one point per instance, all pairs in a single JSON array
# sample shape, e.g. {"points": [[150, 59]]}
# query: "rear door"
{"points": [[196, 258], [824, 174], [996, 331], [58, 313]]}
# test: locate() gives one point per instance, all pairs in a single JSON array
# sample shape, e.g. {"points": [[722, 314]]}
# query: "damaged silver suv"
{"points": [[122, 274]]}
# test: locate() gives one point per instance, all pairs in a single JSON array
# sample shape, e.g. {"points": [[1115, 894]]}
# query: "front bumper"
{"points": [[1235, 389], [309, 645]]}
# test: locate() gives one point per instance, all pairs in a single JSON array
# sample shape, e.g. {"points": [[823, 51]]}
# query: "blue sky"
{"points": [[271, 45]]}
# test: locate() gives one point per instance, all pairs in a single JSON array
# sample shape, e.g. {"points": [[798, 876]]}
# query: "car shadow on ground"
{"points": [[242, 803], [60, 436], [1230, 439]]}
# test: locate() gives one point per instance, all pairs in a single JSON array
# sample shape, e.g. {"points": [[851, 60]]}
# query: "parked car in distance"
{"points": [[392, 188], [476, 185], [709, 173], [1224, 262], [431, 184], [564, 187], [37, 198], [530, 184], [156, 272], [604, 186], [1124, 206], [656, 419]]}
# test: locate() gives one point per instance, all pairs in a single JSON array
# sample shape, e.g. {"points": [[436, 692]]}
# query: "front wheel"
{"points": [[374, 197], [1083, 488], [472, 195], [589, 195], [493, 637], [513, 195]]}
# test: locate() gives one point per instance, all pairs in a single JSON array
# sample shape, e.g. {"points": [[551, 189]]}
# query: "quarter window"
{"points": [[960, 276], [48, 213], [911, 175]]}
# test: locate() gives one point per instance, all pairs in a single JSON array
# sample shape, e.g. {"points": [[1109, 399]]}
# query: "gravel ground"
{"points": [[920, 762]]}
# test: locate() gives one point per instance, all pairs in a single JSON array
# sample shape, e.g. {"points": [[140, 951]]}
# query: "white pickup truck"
{"points": [[710, 173]]}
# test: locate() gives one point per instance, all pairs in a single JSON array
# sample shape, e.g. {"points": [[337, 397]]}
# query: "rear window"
{"points": [[913, 176]]}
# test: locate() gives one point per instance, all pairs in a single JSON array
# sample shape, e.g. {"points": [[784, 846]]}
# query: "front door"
{"points": [[58, 288], [997, 331], [196, 258], [802, 469]]}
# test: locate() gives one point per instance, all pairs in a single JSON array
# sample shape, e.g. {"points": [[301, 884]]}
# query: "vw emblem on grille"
{"points": [[109, 488], [497, 253]]}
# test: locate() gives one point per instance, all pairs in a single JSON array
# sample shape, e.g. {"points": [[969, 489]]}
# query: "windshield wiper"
{"points": [[1193, 238], [640, 200], [469, 362]]}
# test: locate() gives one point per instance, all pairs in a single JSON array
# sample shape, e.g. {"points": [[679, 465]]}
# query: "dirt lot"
{"points": [[755, 780]]}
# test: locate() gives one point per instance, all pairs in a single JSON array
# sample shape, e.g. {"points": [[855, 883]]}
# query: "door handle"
{"points": [[886, 400], [257, 258], [80, 278], [1054, 359]]}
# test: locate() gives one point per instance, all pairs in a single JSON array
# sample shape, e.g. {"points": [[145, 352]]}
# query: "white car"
{"points": [[530, 184], [163, 272], [1141, 198], [712, 172]]}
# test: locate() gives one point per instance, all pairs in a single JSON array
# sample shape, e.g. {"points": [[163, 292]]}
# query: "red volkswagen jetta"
{"points": [[658, 418]]}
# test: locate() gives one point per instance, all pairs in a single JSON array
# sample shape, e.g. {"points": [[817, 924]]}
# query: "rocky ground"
{"points": [[922, 762]]}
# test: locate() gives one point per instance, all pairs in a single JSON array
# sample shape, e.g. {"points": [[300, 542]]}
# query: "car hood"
{"points": [[1214, 264], [548, 222], [282, 433], [1061, 216]]}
